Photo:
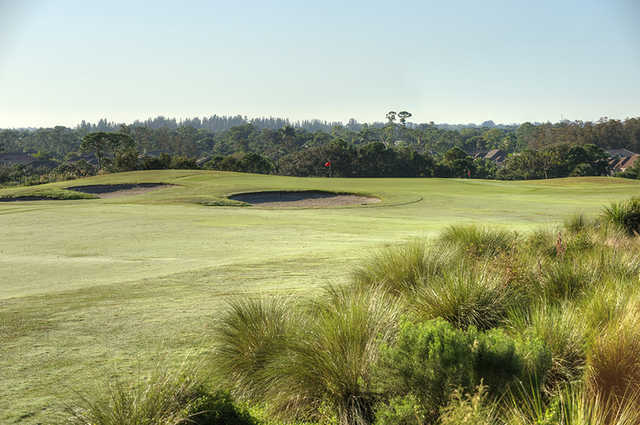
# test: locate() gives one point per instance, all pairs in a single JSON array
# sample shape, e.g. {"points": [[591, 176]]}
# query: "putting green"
{"points": [[99, 287]]}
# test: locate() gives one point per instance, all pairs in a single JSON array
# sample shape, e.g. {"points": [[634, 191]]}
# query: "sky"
{"points": [[510, 61]]}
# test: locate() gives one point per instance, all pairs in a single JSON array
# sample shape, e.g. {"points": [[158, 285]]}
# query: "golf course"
{"points": [[94, 287]]}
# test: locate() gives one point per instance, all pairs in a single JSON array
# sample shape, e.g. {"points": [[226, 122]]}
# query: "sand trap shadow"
{"points": [[302, 199], [115, 190]]}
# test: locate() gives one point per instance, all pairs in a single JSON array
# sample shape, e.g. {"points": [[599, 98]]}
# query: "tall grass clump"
{"points": [[478, 241], [249, 337], [166, 397], [561, 328], [321, 362], [624, 214], [614, 359], [470, 409], [577, 223], [401, 268], [465, 296], [573, 405]]}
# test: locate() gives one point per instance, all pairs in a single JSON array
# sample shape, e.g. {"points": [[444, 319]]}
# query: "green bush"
{"points": [[405, 410], [429, 360]]}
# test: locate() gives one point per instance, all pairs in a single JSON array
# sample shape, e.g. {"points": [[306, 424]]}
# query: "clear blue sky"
{"points": [[445, 61]]}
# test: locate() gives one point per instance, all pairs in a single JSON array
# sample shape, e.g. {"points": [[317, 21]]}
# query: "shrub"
{"points": [[429, 360], [331, 359], [625, 214], [405, 410], [478, 241], [572, 406], [576, 223], [566, 279]]}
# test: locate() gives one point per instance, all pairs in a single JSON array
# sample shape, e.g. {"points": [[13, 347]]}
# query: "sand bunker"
{"points": [[115, 190], [303, 199]]}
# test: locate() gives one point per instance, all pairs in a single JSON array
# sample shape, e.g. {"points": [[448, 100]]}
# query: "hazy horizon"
{"points": [[462, 62]]}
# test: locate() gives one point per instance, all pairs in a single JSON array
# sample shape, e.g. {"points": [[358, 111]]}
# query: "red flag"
{"points": [[327, 164]]}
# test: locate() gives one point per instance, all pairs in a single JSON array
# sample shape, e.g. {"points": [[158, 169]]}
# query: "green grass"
{"points": [[92, 288]]}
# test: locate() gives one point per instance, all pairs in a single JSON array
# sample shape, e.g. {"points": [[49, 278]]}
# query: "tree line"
{"points": [[394, 149]]}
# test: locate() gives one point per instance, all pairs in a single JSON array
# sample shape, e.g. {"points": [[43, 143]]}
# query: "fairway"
{"points": [[92, 288]]}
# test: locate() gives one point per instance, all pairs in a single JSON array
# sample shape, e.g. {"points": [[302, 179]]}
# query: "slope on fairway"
{"points": [[97, 287]]}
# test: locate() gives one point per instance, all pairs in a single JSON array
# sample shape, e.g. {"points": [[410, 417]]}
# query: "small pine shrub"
{"points": [[405, 410], [428, 360]]}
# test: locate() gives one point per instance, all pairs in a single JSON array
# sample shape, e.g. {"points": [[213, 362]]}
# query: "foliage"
{"points": [[571, 406], [401, 410]]}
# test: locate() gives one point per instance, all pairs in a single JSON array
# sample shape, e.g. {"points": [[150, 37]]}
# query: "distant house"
{"points": [[620, 153], [496, 155], [625, 163], [621, 159], [16, 158], [203, 160]]}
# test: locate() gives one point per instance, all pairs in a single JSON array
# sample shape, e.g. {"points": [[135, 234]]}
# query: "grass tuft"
{"points": [[478, 241], [464, 296]]}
